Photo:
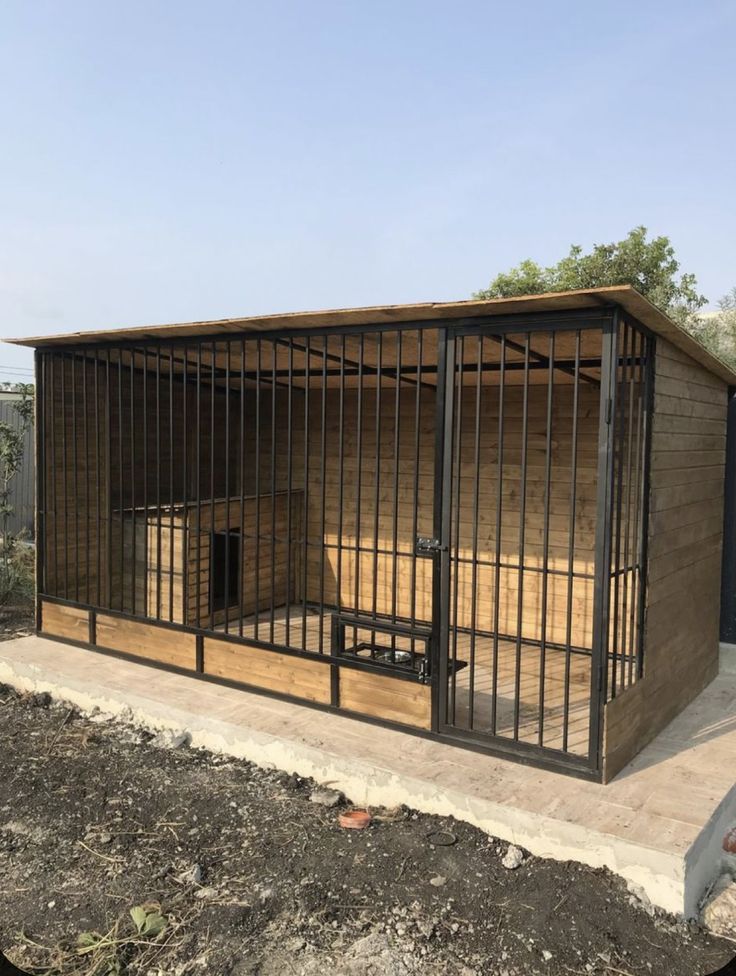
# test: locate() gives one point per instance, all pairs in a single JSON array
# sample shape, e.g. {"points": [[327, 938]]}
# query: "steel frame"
{"points": [[107, 359]]}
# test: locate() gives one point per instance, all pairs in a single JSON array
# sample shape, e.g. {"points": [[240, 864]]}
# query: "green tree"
{"points": [[649, 265], [717, 330], [12, 441]]}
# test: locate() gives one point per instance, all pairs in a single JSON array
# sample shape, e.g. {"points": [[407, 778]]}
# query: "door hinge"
{"points": [[428, 546]]}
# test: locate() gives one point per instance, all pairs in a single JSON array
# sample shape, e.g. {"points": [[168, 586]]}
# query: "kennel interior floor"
{"points": [[289, 625]]}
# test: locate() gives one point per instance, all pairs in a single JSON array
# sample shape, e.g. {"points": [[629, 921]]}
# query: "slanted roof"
{"points": [[625, 296]]}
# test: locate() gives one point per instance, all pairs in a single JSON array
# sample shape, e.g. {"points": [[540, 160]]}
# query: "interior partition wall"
{"points": [[451, 519]]}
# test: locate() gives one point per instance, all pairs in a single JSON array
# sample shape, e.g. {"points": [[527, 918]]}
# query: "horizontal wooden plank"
{"points": [[384, 697], [61, 621], [146, 641], [288, 674]]}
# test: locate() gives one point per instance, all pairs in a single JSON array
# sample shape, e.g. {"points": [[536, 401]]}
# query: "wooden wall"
{"points": [[685, 532]]}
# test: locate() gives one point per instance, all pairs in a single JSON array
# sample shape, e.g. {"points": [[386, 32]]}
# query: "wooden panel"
{"points": [[62, 621], [685, 535], [285, 673], [146, 641], [383, 697]]}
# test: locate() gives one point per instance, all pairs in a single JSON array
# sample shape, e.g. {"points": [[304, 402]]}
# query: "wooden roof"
{"points": [[624, 295]]}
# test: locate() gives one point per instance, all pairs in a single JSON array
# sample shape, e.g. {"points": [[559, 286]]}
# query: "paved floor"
{"points": [[659, 824]]}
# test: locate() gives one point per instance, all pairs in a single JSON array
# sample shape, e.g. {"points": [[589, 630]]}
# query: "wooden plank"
{"points": [[149, 642], [380, 696], [61, 621], [258, 668]]}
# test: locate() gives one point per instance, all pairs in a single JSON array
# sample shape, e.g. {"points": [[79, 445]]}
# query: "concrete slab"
{"points": [[659, 825]]}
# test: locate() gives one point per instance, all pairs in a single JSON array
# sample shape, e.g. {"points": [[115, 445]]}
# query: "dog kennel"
{"points": [[496, 523]]}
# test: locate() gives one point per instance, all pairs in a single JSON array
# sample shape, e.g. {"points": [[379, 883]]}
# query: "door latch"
{"points": [[428, 546]]}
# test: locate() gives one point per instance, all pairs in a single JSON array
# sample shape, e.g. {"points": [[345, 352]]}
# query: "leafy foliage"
{"points": [[649, 265], [12, 446]]}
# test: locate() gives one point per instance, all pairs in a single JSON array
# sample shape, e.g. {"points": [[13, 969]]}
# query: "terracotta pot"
{"points": [[354, 819]]}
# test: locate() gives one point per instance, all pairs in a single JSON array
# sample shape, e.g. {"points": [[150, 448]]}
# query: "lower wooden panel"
{"points": [[383, 697], [284, 673], [147, 641], [69, 622]]}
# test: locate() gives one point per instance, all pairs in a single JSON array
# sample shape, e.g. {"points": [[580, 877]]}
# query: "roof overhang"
{"points": [[426, 312]]}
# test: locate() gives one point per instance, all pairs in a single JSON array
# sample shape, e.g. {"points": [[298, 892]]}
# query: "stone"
{"points": [[192, 875], [325, 798], [719, 910], [513, 858], [438, 881], [204, 894], [171, 740]]}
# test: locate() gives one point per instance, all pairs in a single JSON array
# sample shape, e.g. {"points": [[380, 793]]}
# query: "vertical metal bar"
{"points": [[340, 478], [55, 417], [121, 480], [619, 434], [198, 484], [323, 468], [415, 492], [185, 488], [571, 546], [146, 516], [273, 489], [85, 434], [629, 386], [441, 577], [257, 527], [241, 585], [171, 482], [646, 455], [359, 469], [133, 475], [499, 530], [377, 483], [634, 528], [40, 414], [305, 516], [545, 533], [522, 528], [98, 485], [64, 474], [108, 471], [213, 409], [289, 475], [474, 543], [395, 523], [603, 536], [75, 462], [227, 486], [158, 481], [458, 392]]}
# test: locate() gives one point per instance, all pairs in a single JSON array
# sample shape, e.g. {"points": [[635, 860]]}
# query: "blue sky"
{"points": [[165, 161]]}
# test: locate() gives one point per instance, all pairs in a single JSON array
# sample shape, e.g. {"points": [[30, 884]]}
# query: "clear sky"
{"points": [[168, 161]]}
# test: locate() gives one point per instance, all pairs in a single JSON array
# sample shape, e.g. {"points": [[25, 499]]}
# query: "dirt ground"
{"points": [[232, 870], [16, 620]]}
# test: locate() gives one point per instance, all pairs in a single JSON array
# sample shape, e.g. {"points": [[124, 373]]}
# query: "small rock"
{"points": [[438, 881], [546, 955], [326, 798], [104, 838], [171, 740], [513, 858], [205, 893], [719, 910], [51, 904], [192, 875]]}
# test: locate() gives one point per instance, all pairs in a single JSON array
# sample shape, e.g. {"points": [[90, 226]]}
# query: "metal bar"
{"points": [[171, 486], [522, 526], [571, 549], [213, 410], [241, 542], [323, 467], [441, 576], [133, 473], [474, 543], [198, 487], [54, 416], [455, 537], [158, 481], [395, 518], [65, 534], [98, 486], [121, 486], [340, 477], [619, 434], [146, 518], [545, 535], [272, 614], [40, 363], [377, 481], [227, 487], [289, 466], [543, 361], [499, 528], [185, 491], [75, 456], [415, 506], [644, 502], [257, 563], [108, 471], [359, 470], [305, 515], [603, 538], [85, 431], [626, 663], [635, 572]]}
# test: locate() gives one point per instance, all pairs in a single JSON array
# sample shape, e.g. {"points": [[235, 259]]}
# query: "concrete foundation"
{"points": [[659, 824]]}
